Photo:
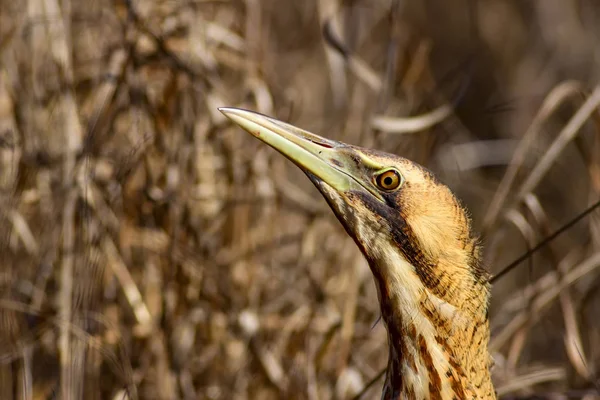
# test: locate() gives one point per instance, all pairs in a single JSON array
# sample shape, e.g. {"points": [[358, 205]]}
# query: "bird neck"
{"points": [[438, 350]]}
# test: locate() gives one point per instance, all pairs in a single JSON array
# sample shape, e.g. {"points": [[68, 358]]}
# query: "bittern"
{"points": [[425, 259]]}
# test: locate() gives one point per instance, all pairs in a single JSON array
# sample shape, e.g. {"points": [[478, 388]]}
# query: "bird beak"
{"points": [[327, 160]]}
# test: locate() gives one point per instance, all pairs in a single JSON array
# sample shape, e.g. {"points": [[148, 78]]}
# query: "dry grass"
{"points": [[149, 249]]}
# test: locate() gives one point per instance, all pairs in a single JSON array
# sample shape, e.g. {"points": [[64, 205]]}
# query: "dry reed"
{"points": [[149, 249]]}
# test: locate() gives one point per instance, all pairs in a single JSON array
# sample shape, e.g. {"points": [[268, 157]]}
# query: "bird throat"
{"points": [[434, 307], [437, 350]]}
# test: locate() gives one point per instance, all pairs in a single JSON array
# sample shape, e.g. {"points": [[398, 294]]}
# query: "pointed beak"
{"points": [[327, 160]]}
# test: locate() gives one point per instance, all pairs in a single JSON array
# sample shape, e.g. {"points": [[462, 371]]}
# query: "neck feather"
{"points": [[438, 350]]}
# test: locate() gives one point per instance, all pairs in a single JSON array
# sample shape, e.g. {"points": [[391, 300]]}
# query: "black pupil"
{"points": [[388, 180]]}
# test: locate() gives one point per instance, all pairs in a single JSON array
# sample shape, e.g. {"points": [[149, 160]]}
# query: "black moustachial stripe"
{"points": [[407, 242], [404, 237]]}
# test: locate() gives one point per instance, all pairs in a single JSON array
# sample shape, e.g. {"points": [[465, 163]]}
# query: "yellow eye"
{"points": [[389, 180]]}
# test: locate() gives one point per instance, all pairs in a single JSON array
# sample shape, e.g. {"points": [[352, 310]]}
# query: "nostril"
{"points": [[322, 144]]}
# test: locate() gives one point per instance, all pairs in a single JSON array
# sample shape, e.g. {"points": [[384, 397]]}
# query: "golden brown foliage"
{"points": [[150, 249]]}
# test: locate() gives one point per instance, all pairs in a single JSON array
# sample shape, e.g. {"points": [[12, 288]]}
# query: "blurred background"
{"points": [[151, 250]]}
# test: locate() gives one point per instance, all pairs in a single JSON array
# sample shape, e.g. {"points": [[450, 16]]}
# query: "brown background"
{"points": [[150, 249]]}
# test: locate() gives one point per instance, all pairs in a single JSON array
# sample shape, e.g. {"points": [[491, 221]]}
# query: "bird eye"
{"points": [[389, 180]]}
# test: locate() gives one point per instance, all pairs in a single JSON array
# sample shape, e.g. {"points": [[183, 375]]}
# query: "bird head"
{"points": [[393, 208], [417, 239]]}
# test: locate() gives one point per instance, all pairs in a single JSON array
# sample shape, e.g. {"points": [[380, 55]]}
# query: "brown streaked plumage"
{"points": [[417, 238]]}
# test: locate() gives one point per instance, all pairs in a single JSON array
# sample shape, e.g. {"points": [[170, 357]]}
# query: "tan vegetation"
{"points": [[149, 249]]}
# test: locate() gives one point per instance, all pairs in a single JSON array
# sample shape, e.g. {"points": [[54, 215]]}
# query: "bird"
{"points": [[425, 258]]}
